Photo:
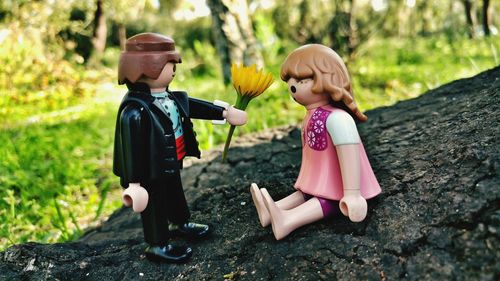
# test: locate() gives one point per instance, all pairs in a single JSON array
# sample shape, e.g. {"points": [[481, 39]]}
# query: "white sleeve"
{"points": [[221, 104], [342, 128]]}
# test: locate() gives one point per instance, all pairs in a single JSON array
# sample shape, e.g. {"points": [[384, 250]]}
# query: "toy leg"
{"points": [[167, 202], [155, 217], [286, 221], [175, 201], [291, 201]]}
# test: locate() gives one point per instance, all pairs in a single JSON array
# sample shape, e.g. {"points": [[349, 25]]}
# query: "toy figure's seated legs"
{"points": [[291, 201], [286, 221], [258, 201], [330, 208]]}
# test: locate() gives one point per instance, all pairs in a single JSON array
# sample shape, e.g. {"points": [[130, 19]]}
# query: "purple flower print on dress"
{"points": [[316, 130]]}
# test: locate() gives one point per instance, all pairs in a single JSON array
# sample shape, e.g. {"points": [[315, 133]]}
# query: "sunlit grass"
{"points": [[55, 157], [55, 177], [391, 70]]}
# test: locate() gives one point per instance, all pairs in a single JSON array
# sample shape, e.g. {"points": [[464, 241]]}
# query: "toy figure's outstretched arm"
{"points": [[200, 109], [135, 195], [345, 136]]}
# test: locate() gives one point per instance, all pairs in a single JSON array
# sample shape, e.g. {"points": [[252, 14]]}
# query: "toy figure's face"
{"points": [[166, 76], [301, 91]]}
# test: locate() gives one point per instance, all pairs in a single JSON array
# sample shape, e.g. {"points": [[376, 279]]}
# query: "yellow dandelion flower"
{"points": [[248, 83]]}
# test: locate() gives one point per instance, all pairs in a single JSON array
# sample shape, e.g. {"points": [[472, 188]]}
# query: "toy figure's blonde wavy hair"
{"points": [[328, 71]]}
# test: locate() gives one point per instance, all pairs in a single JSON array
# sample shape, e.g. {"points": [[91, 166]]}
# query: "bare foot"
{"points": [[278, 216], [261, 208]]}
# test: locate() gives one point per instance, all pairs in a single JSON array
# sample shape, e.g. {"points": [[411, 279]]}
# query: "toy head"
{"points": [[317, 69], [145, 57]]}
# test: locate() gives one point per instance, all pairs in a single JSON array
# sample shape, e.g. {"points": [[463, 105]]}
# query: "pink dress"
{"points": [[320, 170]]}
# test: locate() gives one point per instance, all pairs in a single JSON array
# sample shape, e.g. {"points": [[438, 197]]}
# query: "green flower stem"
{"points": [[228, 141], [241, 103]]}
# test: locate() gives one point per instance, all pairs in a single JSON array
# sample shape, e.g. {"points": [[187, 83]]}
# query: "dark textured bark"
{"points": [[100, 29], [486, 17], [470, 18], [234, 37], [438, 217]]}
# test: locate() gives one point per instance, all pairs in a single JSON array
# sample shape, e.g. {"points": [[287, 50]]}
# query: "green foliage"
{"points": [[38, 75], [55, 176], [389, 70]]}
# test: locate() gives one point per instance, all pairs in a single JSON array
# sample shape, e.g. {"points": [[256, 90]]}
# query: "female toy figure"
{"points": [[153, 135], [335, 174]]}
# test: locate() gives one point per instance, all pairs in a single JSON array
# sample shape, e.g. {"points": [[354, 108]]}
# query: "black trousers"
{"points": [[167, 203]]}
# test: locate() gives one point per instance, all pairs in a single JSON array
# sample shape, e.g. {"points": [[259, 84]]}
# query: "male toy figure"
{"points": [[153, 135]]}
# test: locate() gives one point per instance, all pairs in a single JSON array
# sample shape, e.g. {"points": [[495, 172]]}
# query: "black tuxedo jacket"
{"points": [[145, 149]]}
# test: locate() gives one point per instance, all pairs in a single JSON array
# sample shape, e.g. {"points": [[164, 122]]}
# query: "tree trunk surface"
{"points": [[486, 17], [470, 18], [436, 157], [122, 35], [233, 34], [100, 29]]}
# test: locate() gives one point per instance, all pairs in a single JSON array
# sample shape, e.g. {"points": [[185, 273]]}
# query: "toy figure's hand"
{"points": [[353, 205], [235, 116], [136, 196]]}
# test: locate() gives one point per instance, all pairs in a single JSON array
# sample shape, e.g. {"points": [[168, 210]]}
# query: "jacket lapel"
{"points": [[157, 104], [182, 101]]}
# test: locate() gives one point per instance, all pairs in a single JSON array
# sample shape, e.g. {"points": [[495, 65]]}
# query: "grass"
{"points": [[55, 176], [56, 157]]}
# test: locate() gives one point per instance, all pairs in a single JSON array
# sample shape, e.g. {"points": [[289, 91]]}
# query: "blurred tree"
{"points": [[80, 36], [353, 24], [121, 12], [486, 17], [343, 31], [164, 20], [470, 17], [302, 21], [422, 9], [342, 24], [234, 35], [100, 29]]}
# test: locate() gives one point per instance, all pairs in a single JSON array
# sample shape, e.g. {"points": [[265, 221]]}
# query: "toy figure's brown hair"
{"points": [[328, 71], [146, 55]]}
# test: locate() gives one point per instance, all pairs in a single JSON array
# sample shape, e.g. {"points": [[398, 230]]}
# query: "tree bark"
{"points": [[486, 17], [436, 219], [233, 34], [122, 35], [470, 18], [343, 31], [353, 31], [424, 15], [100, 29]]}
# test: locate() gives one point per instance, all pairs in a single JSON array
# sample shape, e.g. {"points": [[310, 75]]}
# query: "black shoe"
{"points": [[190, 230], [169, 253]]}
